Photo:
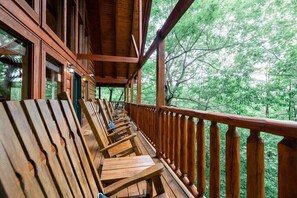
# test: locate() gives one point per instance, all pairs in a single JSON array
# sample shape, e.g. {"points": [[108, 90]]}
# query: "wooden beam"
{"points": [[146, 16], [139, 25], [110, 80], [116, 16], [107, 58], [178, 11]]}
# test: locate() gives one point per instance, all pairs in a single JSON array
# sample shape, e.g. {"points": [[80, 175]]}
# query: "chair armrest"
{"points": [[118, 126], [118, 142], [116, 132], [120, 120], [149, 173]]}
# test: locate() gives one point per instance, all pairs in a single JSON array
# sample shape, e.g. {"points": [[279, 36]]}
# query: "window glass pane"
{"points": [[14, 79], [53, 80], [70, 24], [54, 16], [30, 2]]}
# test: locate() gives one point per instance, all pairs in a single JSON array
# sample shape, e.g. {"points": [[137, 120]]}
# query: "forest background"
{"points": [[230, 56]]}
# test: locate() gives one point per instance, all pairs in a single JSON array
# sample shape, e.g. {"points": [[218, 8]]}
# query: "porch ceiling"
{"points": [[113, 25]]}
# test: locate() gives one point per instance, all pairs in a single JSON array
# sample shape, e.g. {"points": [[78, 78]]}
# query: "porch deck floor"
{"points": [[172, 187]]}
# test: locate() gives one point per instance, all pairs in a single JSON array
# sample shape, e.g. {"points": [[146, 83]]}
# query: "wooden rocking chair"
{"points": [[43, 154], [123, 147]]}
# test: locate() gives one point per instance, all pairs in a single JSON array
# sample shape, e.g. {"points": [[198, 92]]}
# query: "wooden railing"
{"points": [[181, 142]]}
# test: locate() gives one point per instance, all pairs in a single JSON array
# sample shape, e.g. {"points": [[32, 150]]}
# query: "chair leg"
{"points": [[135, 147], [149, 188], [158, 185]]}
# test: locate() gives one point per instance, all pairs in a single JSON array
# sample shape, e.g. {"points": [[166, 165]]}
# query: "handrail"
{"points": [[179, 136], [276, 127]]}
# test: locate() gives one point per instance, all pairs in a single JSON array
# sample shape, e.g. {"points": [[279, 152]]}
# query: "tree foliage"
{"points": [[230, 56], [235, 57]]}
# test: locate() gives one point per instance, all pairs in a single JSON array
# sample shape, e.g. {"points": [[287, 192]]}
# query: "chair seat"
{"points": [[119, 168]]}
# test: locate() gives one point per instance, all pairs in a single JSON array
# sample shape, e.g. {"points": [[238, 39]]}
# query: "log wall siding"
{"points": [[18, 18], [182, 144]]}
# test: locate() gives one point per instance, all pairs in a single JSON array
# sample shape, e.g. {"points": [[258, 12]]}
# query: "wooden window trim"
{"points": [[45, 49], [61, 42], [34, 12], [23, 32]]}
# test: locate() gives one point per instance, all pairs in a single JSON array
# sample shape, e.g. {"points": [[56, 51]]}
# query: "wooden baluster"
{"points": [[154, 123], [255, 166], [201, 161], [177, 141], [165, 135], [158, 115], [161, 131], [232, 163], [172, 140], [191, 154], [214, 180], [184, 142], [287, 168], [156, 119], [149, 124], [168, 137]]}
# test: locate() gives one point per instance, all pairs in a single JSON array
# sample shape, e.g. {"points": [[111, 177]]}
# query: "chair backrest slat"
{"points": [[108, 110], [58, 143], [10, 187], [91, 173], [43, 139], [32, 149], [72, 149], [95, 125], [103, 111], [30, 185]]}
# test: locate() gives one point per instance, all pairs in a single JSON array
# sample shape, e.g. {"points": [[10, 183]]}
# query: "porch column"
{"points": [[131, 90], [127, 92], [160, 89], [99, 92], [139, 87]]}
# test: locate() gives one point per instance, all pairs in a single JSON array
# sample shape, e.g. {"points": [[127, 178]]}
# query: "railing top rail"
{"points": [[142, 105], [276, 127]]}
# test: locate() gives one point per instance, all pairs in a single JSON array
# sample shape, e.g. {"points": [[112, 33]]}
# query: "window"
{"points": [[53, 84], [70, 25], [14, 64], [80, 36], [54, 16]]}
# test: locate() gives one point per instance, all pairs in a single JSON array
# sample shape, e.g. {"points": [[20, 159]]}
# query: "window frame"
{"points": [[48, 51]]}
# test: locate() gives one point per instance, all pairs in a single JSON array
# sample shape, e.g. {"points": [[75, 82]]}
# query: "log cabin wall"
{"points": [[56, 31]]}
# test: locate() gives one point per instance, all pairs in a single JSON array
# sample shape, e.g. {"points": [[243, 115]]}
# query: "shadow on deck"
{"points": [[172, 185]]}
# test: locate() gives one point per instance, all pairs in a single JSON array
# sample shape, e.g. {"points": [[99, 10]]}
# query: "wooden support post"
{"points": [[160, 89], [125, 93], [131, 91], [138, 96], [255, 166], [99, 92], [287, 163], [139, 87], [232, 163]]}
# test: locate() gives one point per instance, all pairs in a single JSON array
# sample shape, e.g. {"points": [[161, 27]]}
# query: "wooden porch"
{"points": [[173, 186]]}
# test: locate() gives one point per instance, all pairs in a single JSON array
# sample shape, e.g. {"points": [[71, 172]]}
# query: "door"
{"points": [[77, 95]]}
